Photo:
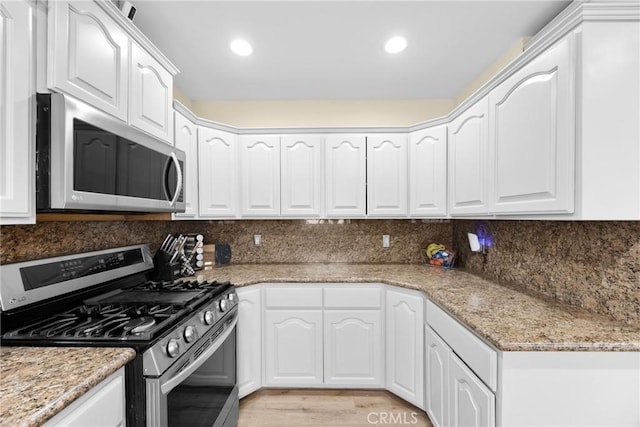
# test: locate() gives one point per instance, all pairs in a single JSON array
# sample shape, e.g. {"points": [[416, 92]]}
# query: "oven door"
{"points": [[200, 389]]}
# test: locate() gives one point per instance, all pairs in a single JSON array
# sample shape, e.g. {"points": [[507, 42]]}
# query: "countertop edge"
{"points": [[72, 393], [486, 336]]}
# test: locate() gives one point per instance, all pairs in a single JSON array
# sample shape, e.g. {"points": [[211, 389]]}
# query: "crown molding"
{"points": [[133, 31]]}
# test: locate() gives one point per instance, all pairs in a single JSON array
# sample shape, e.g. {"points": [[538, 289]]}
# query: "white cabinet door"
{"points": [[436, 378], [428, 172], [151, 95], [345, 172], [218, 173], [260, 175], [405, 340], [353, 348], [471, 403], [531, 136], [17, 112], [88, 55], [387, 175], [102, 406], [186, 139], [293, 347], [301, 174], [249, 345], [468, 156]]}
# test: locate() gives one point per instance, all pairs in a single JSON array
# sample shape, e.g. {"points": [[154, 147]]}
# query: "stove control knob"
{"points": [[209, 317], [232, 297], [189, 333], [173, 347], [224, 305]]}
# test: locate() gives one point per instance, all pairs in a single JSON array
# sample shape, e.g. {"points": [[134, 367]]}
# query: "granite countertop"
{"points": [[38, 382], [509, 319]]}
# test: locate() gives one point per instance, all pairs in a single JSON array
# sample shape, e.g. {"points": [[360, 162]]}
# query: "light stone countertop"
{"points": [[509, 319], [36, 383]]}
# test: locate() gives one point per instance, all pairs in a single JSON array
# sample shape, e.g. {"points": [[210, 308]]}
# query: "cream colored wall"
{"points": [[322, 113], [491, 71], [184, 99], [339, 112]]}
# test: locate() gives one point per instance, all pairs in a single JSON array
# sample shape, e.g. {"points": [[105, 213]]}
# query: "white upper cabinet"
{"points": [[387, 175], [17, 112], [345, 176], [428, 172], [151, 95], [88, 55], [531, 137], [301, 174], [260, 173], [186, 139], [468, 155], [217, 174], [97, 56]]}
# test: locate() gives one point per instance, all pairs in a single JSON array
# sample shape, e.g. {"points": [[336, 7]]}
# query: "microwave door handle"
{"points": [[179, 183], [171, 383]]}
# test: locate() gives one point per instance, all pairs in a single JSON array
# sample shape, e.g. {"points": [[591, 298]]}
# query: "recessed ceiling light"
{"points": [[395, 44], [241, 47]]}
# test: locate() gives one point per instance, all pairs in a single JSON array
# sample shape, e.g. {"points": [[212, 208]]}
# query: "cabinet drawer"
{"points": [[353, 297], [482, 359], [303, 296]]}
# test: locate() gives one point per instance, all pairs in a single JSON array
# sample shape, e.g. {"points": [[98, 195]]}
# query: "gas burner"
{"points": [[139, 325]]}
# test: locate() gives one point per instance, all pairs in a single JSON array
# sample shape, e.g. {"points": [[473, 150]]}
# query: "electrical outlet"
{"points": [[257, 239], [385, 240]]}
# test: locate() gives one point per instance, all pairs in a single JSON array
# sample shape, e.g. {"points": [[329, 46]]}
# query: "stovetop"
{"points": [[138, 313]]}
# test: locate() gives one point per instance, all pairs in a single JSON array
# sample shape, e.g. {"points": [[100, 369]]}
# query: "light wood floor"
{"points": [[307, 407]]}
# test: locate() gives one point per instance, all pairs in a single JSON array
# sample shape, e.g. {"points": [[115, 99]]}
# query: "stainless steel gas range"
{"points": [[183, 331]]}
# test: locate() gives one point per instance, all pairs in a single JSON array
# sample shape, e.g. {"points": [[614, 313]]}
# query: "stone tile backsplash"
{"points": [[293, 241], [594, 265]]}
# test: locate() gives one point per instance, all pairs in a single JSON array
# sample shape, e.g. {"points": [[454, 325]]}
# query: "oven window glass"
{"points": [[207, 397], [107, 164]]}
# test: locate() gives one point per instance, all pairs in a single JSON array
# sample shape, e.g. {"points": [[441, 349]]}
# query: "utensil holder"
{"points": [[163, 268]]}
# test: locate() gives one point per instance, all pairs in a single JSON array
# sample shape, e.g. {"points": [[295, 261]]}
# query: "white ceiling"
{"points": [[334, 49]]}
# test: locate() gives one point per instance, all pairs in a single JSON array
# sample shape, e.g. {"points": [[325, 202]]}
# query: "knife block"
{"points": [[163, 269]]}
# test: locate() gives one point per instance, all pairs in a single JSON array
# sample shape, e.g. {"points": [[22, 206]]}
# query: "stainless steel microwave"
{"points": [[88, 160]]}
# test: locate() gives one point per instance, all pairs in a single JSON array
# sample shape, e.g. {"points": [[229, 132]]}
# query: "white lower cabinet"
{"points": [[102, 406], [353, 348], [437, 354], [461, 373], [454, 395], [249, 340], [568, 388], [471, 403], [404, 345], [293, 347], [323, 335]]}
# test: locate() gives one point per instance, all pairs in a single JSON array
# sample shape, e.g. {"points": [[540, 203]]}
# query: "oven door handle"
{"points": [[171, 383]]}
